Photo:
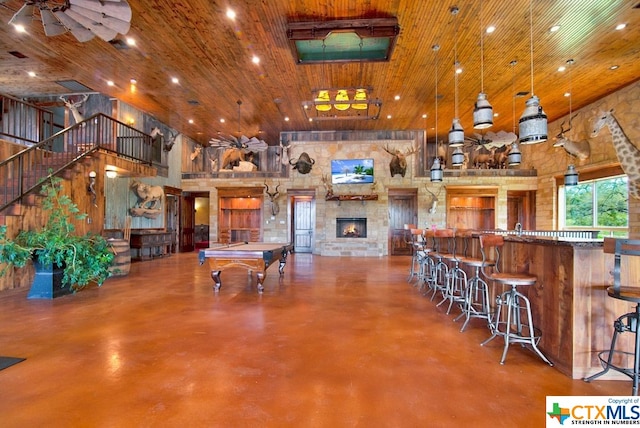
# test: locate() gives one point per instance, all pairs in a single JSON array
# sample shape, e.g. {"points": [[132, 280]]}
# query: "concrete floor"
{"points": [[335, 342]]}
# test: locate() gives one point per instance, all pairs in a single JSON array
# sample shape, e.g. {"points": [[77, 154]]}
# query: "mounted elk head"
{"points": [[273, 198], [580, 149], [303, 164], [398, 164], [73, 107]]}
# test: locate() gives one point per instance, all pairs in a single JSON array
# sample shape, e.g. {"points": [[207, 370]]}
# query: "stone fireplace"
{"points": [[351, 227]]}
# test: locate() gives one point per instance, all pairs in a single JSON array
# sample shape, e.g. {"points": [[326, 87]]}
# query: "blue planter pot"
{"points": [[47, 282]]}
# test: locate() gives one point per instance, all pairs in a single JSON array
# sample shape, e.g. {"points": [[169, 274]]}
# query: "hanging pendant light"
{"points": [[436, 168], [571, 176], [514, 157], [482, 111], [533, 122], [341, 96], [457, 157], [456, 134]]}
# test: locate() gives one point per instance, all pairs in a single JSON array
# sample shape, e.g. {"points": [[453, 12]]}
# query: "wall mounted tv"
{"points": [[351, 171]]}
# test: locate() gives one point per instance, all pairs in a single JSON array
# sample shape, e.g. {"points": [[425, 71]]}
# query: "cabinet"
{"points": [[147, 244], [471, 208], [240, 217]]}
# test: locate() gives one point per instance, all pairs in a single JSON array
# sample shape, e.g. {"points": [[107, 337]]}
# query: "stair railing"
{"points": [[23, 173]]}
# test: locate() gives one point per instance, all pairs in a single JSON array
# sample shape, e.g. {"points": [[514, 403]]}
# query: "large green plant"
{"points": [[84, 258]]}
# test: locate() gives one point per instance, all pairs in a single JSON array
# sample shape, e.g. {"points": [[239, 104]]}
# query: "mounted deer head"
{"points": [[273, 196], [73, 107], [398, 164], [326, 182], [433, 203], [196, 152]]}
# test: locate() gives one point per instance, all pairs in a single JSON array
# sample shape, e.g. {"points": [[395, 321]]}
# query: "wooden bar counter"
{"points": [[569, 301]]}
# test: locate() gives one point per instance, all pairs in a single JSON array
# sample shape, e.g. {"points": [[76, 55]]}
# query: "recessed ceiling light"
{"points": [[424, 115], [190, 121], [133, 81], [175, 80], [31, 73], [255, 60], [222, 120], [20, 28], [491, 29], [567, 94], [110, 83], [286, 118], [562, 68], [231, 14], [397, 97], [621, 26], [614, 67], [131, 41], [554, 28], [496, 114], [388, 116]]}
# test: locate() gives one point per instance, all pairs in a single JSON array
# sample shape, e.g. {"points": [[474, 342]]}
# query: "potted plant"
{"points": [[70, 261]]}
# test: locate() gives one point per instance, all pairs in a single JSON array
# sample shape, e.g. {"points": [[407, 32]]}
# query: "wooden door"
{"points": [[303, 221], [187, 222], [403, 210], [521, 209]]}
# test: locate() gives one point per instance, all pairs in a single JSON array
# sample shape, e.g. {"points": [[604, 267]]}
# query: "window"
{"points": [[601, 204]]}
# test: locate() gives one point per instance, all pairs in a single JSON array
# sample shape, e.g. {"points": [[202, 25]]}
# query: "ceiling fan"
{"points": [[491, 140], [82, 18]]}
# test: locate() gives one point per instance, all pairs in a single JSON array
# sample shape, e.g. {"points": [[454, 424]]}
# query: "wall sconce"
{"points": [[91, 188]]}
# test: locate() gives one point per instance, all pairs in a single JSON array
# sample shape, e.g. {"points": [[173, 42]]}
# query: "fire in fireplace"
{"points": [[351, 228]]}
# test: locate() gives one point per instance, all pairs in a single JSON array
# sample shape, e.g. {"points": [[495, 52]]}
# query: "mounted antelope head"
{"points": [[73, 107], [273, 196], [284, 153], [169, 142], [580, 149], [398, 164], [326, 182], [433, 203], [196, 152]]}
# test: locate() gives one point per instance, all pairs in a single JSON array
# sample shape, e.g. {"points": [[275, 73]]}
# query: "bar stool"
{"points": [[627, 322], [440, 274], [518, 326], [429, 262], [456, 284], [409, 240], [476, 303]]}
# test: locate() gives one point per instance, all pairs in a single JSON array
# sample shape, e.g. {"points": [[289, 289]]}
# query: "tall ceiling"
{"points": [[211, 56]]}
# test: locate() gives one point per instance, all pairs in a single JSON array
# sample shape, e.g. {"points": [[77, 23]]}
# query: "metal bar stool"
{"points": [[440, 273], [627, 322], [410, 240], [456, 279], [518, 326], [428, 266], [476, 303]]}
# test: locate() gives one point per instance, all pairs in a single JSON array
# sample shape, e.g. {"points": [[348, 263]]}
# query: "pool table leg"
{"points": [[260, 276], [215, 274]]}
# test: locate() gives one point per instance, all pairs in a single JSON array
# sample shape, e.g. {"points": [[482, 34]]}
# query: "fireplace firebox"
{"points": [[351, 228]]}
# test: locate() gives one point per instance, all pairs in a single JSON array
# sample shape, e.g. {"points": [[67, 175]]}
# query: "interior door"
{"points": [[303, 221], [187, 222], [403, 210]]}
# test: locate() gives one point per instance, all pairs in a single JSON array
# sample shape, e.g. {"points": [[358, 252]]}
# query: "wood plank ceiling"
{"points": [[211, 56]]}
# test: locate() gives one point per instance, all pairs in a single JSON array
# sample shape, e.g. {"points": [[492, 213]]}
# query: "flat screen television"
{"points": [[351, 171]]}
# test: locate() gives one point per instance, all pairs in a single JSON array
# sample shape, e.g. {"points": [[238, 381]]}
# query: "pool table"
{"points": [[254, 256]]}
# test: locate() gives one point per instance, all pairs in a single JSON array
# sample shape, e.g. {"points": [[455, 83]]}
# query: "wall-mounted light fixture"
{"points": [[91, 188], [111, 173]]}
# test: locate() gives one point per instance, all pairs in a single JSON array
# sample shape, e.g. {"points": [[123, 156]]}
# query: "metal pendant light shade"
{"points": [[571, 176], [515, 156], [436, 171], [457, 157], [456, 134], [533, 123], [482, 113]]}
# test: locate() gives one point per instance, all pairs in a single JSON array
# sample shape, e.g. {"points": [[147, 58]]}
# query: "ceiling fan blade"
{"points": [[112, 23], [120, 9], [52, 27], [78, 31], [98, 29]]}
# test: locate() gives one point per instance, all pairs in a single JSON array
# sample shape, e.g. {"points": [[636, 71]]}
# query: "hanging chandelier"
{"points": [[82, 18], [514, 157], [436, 167], [342, 103], [533, 122]]}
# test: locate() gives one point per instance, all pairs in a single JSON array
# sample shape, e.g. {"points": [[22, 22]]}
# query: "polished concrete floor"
{"points": [[334, 342]]}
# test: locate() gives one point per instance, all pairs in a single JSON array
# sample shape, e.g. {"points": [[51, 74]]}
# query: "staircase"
{"points": [[22, 174]]}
